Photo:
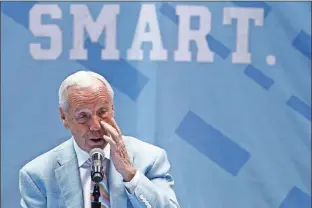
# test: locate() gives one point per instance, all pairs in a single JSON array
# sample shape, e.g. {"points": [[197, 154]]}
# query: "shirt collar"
{"points": [[83, 156]]}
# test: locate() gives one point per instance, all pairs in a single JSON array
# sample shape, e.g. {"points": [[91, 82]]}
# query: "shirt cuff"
{"points": [[131, 185]]}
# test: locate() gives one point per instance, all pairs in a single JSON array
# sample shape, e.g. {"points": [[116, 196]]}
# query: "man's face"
{"points": [[87, 107]]}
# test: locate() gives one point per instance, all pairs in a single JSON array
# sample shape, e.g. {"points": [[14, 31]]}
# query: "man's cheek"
{"points": [[107, 119]]}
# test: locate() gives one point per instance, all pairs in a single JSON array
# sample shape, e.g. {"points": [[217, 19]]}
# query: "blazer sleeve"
{"points": [[30, 193], [155, 188]]}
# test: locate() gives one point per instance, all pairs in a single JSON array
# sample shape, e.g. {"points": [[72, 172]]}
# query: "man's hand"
{"points": [[119, 153]]}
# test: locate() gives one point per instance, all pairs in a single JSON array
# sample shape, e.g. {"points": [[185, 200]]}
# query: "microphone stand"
{"points": [[96, 194], [97, 173]]}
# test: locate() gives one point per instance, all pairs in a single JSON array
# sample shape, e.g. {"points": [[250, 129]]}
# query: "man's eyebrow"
{"points": [[104, 105], [82, 110]]}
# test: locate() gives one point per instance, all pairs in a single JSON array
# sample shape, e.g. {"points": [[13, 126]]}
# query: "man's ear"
{"points": [[63, 118]]}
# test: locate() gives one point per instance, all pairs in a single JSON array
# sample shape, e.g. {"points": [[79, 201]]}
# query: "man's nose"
{"points": [[95, 123]]}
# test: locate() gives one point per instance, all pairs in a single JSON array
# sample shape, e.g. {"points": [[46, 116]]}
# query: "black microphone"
{"points": [[97, 158]]}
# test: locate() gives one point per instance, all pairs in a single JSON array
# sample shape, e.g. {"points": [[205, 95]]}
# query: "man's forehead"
{"points": [[75, 90], [88, 94], [88, 99], [90, 108]]}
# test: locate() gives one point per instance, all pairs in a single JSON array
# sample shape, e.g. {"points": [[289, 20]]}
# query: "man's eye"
{"points": [[82, 116], [103, 113]]}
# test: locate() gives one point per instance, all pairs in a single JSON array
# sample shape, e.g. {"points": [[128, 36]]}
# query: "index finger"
{"points": [[114, 124], [111, 130]]}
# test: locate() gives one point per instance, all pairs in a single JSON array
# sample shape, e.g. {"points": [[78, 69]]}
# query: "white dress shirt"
{"points": [[85, 173]]}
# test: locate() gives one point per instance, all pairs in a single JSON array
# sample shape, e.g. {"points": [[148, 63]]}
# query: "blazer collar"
{"points": [[68, 176]]}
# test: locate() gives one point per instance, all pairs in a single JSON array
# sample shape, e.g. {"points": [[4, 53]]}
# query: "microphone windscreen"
{"points": [[96, 151]]}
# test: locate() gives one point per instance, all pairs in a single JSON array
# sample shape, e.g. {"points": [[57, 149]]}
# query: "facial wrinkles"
{"points": [[91, 99], [88, 98]]}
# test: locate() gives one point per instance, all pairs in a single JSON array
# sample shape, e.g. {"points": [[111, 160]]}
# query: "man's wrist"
{"points": [[129, 174]]}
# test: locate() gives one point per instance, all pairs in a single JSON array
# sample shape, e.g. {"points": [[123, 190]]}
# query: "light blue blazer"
{"points": [[52, 180]]}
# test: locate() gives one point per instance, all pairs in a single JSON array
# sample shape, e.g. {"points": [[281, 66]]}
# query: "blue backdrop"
{"points": [[237, 130]]}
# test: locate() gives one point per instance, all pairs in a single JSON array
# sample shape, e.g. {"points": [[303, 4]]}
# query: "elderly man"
{"points": [[136, 173]]}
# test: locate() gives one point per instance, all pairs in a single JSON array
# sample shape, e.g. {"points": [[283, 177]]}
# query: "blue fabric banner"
{"points": [[223, 87]]}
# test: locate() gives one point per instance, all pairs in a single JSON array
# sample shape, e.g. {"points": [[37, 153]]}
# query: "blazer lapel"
{"points": [[68, 177], [118, 195]]}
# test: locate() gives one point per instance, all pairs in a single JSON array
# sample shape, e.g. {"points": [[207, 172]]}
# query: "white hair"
{"points": [[81, 79]]}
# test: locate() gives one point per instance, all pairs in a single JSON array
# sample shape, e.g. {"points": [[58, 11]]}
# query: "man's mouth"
{"points": [[97, 139]]}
